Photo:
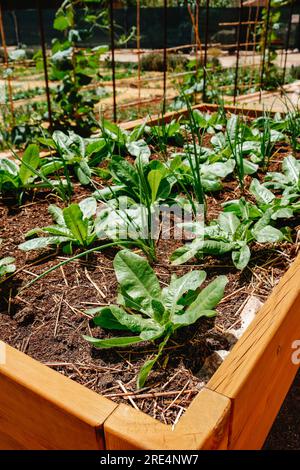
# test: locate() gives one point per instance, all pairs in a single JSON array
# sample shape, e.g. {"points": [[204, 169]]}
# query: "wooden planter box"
{"points": [[42, 409]]}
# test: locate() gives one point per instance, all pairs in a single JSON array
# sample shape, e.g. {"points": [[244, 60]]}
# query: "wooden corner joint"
{"points": [[204, 426]]}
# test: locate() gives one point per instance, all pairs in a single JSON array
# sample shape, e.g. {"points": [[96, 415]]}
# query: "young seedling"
{"points": [[7, 265], [152, 313], [227, 234], [289, 180], [75, 227], [28, 175]]}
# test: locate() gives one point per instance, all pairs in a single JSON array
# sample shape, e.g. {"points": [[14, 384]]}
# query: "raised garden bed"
{"points": [[42, 409]]}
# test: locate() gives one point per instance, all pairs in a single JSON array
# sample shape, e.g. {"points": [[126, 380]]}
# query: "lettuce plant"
{"points": [[211, 173], [240, 224], [144, 182], [289, 180], [29, 174], [165, 133], [266, 213], [75, 227], [227, 234], [74, 153], [123, 219], [18, 178], [123, 142], [152, 313]]}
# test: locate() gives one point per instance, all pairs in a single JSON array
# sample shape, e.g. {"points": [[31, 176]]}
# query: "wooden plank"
{"points": [[258, 372], [205, 425], [42, 409], [250, 112]]}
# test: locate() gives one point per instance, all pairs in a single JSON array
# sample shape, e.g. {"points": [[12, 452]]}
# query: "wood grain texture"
{"points": [[42, 409], [204, 426], [258, 372]]}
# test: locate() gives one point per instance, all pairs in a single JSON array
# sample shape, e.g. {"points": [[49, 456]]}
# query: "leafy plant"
{"points": [[76, 66], [235, 137], [289, 180], [272, 209], [150, 312], [266, 213], [74, 153], [124, 219], [143, 182], [227, 234], [122, 142], [75, 227], [211, 173], [236, 143], [7, 265], [208, 122], [165, 133], [293, 127], [16, 179], [241, 223]]}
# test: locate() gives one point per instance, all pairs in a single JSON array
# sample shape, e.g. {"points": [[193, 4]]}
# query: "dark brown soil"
{"points": [[285, 432], [47, 320]]}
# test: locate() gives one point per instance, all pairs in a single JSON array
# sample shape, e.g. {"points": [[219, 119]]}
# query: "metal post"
{"points": [[287, 44], [113, 65], [204, 97], [265, 44], [238, 53], [10, 96], [165, 54], [44, 53]]}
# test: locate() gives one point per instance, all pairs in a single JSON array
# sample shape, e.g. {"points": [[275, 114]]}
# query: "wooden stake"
{"points": [[6, 66]]}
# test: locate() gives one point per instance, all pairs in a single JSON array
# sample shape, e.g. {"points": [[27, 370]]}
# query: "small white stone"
{"points": [[248, 313]]}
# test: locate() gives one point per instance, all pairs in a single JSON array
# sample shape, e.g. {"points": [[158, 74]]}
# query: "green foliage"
{"points": [[150, 312], [165, 133], [289, 180], [143, 182], [7, 265], [122, 142], [75, 227], [227, 234], [123, 219], [74, 153], [16, 179], [76, 66], [241, 223]]}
